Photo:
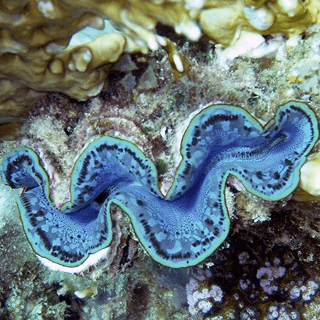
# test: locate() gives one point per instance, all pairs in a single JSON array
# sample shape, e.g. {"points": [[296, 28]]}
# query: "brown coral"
{"points": [[37, 55]]}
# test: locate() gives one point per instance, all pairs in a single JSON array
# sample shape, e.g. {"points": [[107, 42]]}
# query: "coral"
{"points": [[220, 140], [68, 47], [309, 185], [222, 20], [260, 279], [278, 312], [78, 72], [202, 300], [58, 128], [267, 274]]}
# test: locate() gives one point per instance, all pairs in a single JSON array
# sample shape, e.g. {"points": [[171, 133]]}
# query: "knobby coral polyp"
{"points": [[186, 226]]}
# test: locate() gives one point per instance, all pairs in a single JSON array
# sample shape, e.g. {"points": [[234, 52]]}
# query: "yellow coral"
{"points": [[36, 55], [40, 49], [220, 20], [309, 186]]}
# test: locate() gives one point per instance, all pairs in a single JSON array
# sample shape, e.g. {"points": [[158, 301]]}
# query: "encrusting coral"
{"points": [[309, 185], [221, 20], [192, 221], [68, 46], [42, 51]]}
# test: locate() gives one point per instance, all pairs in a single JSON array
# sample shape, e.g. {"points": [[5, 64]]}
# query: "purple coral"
{"points": [[282, 312], [267, 275], [309, 290], [202, 299]]}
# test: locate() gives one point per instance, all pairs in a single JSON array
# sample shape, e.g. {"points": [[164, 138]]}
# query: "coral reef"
{"points": [[67, 46], [202, 300], [129, 284], [221, 20], [266, 279], [42, 50]]}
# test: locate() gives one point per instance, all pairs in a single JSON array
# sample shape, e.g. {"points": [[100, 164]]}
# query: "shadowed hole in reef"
{"points": [[74, 307], [139, 302]]}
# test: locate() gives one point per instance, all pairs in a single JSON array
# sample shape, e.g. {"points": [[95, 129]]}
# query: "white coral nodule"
{"points": [[203, 300]]}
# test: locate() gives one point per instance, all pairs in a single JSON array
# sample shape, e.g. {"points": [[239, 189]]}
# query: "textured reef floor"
{"points": [[268, 267]]}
